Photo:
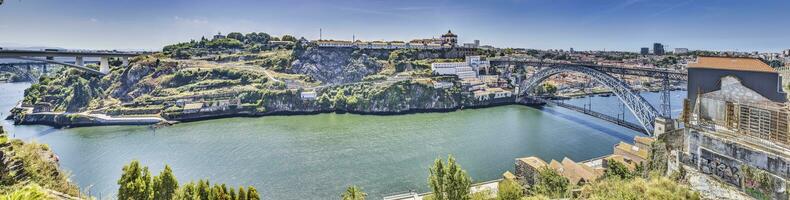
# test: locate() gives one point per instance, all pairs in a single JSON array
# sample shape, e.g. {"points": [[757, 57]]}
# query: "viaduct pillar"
{"points": [[79, 61], [104, 65]]}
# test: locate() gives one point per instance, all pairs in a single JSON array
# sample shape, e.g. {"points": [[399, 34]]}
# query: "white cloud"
{"points": [[94, 20]]}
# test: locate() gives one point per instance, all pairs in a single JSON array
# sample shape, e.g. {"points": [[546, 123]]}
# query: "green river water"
{"points": [[318, 156]]}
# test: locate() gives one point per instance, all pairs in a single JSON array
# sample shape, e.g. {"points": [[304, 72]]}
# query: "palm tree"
{"points": [[354, 193]]}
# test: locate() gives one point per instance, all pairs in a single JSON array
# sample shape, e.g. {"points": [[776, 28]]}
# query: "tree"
{"points": [[550, 183], [353, 193], [135, 182], [256, 38], [617, 169], [449, 182], [549, 88], [236, 35], [241, 195], [165, 184], [252, 194], [509, 190], [288, 38]]}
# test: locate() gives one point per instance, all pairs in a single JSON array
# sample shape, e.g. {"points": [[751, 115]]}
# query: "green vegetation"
{"points": [[775, 63], [74, 91], [509, 190], [278, 60], [29, 192], [655, 187], [29, 169], [757, 183], [616, 169], [251, 42], [136, 183], [353, 193], [667, 62], [449, 181], [550, 184], [546, 89]]}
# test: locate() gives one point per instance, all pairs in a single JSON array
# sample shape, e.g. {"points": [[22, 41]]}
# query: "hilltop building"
{"points": [[681, 51], [737, 124], [450, 38], [446, 41], [219, 36]]}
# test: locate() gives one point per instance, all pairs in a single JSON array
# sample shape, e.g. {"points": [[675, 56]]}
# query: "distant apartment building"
{"points": [[786, 52], [737, 117], [658, 49], [644, 51], [681, 50]]}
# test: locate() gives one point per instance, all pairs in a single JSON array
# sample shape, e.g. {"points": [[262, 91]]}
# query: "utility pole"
{"points": [[320, 34]]}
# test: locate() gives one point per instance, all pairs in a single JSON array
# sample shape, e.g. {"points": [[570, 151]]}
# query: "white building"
{"points": [[681, 50], [497, 93], [309, 95], [468, 69], [442, 84]]}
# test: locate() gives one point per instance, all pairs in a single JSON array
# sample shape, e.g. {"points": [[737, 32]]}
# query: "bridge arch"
{"points": [[24, 73], [644, 112]]}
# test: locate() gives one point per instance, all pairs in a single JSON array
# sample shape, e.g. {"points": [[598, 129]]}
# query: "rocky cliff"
{"points": [[334, 65]]}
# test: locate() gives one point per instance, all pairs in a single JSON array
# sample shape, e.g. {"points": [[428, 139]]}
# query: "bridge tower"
{"points": [[666, 107]]}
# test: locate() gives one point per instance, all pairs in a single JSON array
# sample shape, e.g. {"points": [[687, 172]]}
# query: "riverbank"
{"points": [[24, 116]]}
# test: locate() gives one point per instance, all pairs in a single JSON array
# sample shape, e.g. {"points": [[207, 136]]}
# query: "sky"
{"points": [[624, 25]]}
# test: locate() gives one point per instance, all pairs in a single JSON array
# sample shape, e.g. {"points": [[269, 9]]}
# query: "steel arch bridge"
{"points": [[644, 112]]}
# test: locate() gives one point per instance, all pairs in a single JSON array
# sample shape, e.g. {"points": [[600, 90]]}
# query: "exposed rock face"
{"points": [[130, 87], [334, 65]]}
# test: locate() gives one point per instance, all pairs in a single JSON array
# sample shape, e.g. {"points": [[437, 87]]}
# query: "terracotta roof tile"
{"points": [[726, 63]]}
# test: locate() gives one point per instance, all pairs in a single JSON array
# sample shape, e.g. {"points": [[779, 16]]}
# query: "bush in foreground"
{"points": [[637, 188]]}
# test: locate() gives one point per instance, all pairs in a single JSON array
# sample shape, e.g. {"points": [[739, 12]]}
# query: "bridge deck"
{"points": [[614, 120], [65, 53], [645, 72]]}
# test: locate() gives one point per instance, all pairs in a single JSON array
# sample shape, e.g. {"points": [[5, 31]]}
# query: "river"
{"points": [[318, 156]]}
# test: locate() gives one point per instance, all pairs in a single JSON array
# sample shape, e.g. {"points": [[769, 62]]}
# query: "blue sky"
{"points": [[542, 24]]}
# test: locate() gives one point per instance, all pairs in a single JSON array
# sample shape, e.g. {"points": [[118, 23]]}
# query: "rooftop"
{"points": [[642, 153], [449, 34], [729, 63], [644, 140], [191, 106], [533, 161]]}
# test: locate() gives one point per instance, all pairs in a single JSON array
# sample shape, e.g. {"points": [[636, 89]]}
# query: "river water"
{"points": [[318, 156]]}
